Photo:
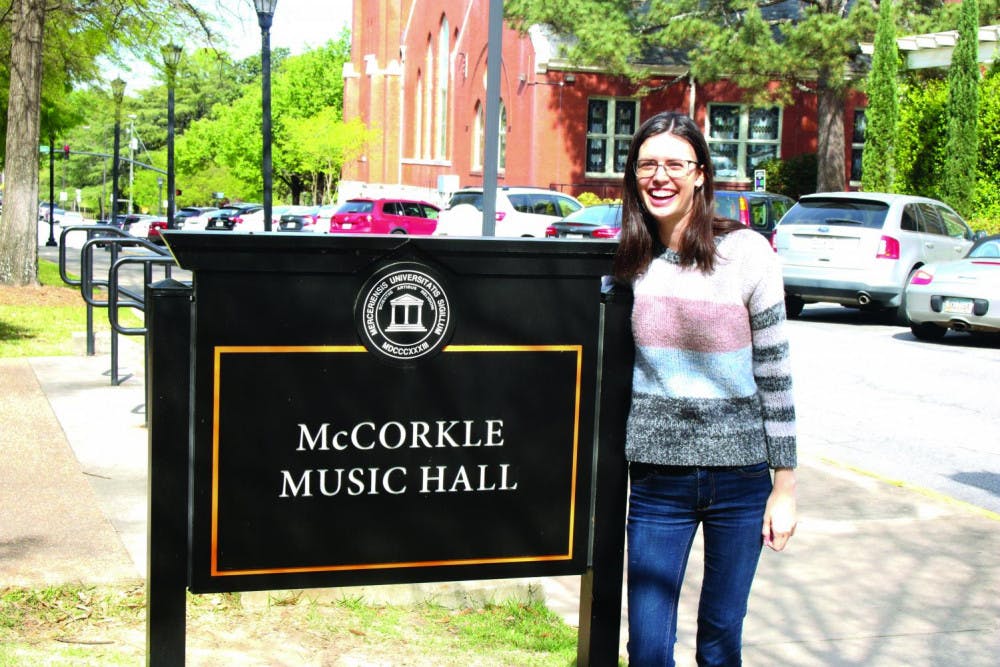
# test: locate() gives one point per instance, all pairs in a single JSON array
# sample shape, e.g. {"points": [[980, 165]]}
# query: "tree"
{"points": [[18, 244], [882, 114], [54, 44], [962, 148], [748, 42]]}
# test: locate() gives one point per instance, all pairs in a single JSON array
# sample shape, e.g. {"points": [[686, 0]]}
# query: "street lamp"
{"points": [[117, 92], [171, 58], [265, 13]]}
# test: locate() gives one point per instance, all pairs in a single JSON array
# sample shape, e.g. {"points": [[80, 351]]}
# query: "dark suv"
{"points": [[760, 211]]}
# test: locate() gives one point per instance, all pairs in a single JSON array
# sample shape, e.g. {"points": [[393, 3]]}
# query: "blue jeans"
{"points": [[666, 505]]}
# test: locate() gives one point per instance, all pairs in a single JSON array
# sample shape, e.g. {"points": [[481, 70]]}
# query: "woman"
{"points": [[712, 407]]}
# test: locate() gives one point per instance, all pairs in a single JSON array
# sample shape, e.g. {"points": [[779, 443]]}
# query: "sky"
{"points": [[297, 25]]}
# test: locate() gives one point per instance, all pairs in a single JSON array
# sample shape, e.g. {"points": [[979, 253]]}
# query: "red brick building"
{"points": [[418, 76]]}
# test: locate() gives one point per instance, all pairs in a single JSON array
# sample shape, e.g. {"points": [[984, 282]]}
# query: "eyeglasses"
{"points": [[675, 168]]}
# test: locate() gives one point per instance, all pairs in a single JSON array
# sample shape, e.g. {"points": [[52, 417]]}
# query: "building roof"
{"points": [[934, 49]]}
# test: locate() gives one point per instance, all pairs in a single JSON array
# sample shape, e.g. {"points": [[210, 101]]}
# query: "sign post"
{"points": [[370, 410]]}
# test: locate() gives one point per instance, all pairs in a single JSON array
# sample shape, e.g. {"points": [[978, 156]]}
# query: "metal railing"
{"points": [[118, 295]]}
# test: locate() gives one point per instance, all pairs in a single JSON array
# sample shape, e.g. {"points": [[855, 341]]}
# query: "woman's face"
{"points": [[668, 189]]}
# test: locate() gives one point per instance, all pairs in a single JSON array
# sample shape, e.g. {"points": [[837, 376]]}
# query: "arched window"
{"points": [[502, 138], [428, 101], [444, 60], [477, 138], [418, 116]]}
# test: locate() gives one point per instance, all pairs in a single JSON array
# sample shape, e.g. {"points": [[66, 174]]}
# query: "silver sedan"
{"points": [[962, 295]]}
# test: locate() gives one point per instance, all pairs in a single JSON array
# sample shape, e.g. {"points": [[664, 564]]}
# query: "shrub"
{"points": [[793, 177]]}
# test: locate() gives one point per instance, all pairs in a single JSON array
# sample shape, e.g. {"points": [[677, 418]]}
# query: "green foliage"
{"points": [[920, 138], [591, 199], [883, 110], [793, 177], [962, 149], [921, 151], [217, 132]]}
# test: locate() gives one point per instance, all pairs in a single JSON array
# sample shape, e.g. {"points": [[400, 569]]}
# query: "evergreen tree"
{"points": [[962, 150], [877, 168]]}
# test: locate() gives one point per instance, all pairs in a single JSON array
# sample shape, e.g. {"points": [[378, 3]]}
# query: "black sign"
{"points": [[391, 414]]}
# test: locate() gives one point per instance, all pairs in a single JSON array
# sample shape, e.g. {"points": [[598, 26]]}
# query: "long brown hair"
{"points": [[640, 240]]}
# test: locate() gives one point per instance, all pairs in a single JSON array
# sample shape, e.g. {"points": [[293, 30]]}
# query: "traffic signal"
{"points": [[66, 151]]}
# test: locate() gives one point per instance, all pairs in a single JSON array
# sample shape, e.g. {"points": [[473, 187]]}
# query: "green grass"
{"points": [[105, 625], [46, 324]]}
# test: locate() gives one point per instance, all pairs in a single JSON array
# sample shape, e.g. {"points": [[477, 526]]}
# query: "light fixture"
{"points": [[171, 58], [265, 13]]}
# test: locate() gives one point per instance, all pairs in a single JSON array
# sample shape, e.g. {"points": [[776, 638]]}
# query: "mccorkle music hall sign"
{"points": [[394, 418], [366, 436]]}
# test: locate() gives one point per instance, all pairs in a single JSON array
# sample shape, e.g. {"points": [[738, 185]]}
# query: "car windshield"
{"points": [[598, 215], [356, 207], [988, 249], [472, 198], [835, 211]]}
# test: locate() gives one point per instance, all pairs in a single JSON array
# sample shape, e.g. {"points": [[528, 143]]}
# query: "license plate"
{"points": [[574, 236], [347, 225], [957, 306]]}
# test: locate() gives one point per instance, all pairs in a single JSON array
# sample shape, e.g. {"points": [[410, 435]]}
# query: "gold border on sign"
{"points": [[341, 349]]}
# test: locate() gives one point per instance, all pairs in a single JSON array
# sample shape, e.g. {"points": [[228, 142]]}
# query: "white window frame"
{"points": [[479, 138], [441, 116], [741, 133], [610, 135]]}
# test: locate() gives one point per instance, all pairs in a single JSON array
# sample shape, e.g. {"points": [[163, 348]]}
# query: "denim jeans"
{"points": [[666, 506]]}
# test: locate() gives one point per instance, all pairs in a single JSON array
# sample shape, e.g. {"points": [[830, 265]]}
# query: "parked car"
{"points": [[183, 215], [296, 219], [230, 218], [385, 216], [760, 211], [147, 227], [963, 295], [201, 222], [601, 221], [860, 249], [324, 216], [43, 211], [254, 220], [519, 212]]}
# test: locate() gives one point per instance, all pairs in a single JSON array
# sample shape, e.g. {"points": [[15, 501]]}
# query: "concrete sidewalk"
{"points": [[876, 575]]}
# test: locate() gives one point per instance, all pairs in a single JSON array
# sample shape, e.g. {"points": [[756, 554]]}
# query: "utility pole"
{"points": [[131, 159]]}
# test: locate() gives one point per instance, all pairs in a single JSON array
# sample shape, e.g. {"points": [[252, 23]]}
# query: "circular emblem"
{"points": [[403, 313]]}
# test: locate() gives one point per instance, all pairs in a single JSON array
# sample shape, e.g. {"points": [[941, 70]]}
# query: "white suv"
{"points": [[860, 248], [519, 212]]}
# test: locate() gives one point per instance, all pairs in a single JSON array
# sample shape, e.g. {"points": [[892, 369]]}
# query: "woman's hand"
{"points": [[780, 514]]}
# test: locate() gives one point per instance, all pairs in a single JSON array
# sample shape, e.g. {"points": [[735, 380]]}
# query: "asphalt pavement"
{"points": [[877, 574]]}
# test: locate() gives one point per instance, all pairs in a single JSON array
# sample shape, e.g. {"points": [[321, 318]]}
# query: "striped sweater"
{"points": [[712, 380]]}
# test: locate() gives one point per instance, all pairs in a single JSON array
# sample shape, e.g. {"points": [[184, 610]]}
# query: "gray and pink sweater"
{"points": [[712, 382]]}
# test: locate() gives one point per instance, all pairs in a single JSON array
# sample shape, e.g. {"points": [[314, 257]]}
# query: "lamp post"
{"points": [[171, 58], [265, 13], [117, 92]]}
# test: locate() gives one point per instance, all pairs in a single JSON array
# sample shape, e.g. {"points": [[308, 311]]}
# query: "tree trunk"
{"points": [[19, 225], [832, 150]]}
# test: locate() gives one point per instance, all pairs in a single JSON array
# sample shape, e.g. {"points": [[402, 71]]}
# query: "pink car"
{"points": [[384, 216]]}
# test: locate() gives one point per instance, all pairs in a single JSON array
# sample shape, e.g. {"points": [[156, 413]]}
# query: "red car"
{"points": [[385, 216]]}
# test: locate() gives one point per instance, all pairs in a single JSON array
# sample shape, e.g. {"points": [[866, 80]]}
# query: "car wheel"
{"points": [[398, 231], [927, 331], [793, 307]]}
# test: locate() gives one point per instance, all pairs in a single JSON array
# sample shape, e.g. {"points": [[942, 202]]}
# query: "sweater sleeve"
{"points": [[771, 361]]}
